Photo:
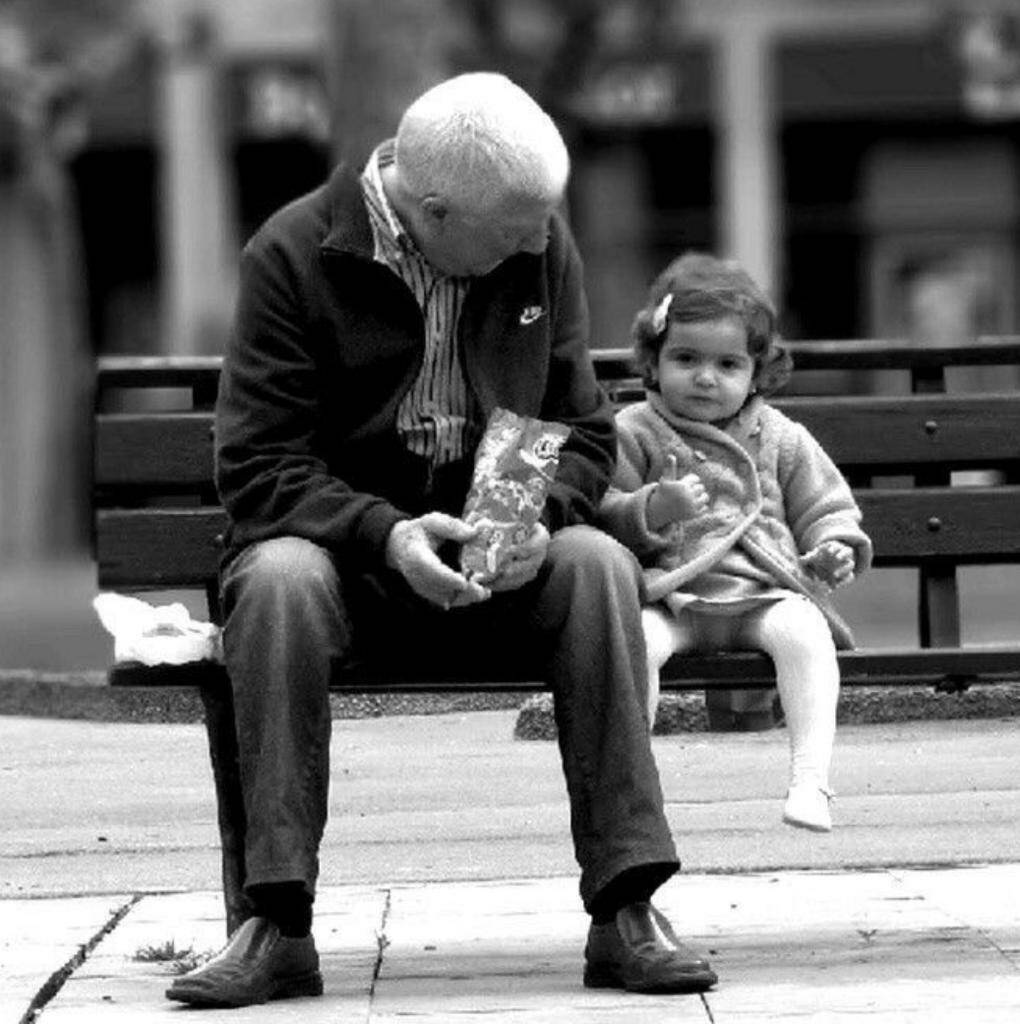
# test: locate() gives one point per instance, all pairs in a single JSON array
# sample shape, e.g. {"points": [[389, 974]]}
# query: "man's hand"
{"points": [[524, 561], [411, 550], [674, 500], [831, 562]]}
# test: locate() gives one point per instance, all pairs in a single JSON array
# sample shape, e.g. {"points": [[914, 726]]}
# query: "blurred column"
{"points": [[381, 55], [749, 211], [749, 202], [199, 245], [609, 199]]}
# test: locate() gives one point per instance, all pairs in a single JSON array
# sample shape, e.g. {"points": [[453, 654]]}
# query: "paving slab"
{"points": [[881, 946], [115, 985], [820, 946], [984, 899], [40, 938]]}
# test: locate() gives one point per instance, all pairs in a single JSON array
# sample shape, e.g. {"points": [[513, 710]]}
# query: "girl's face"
{"points": [[704, 370]]}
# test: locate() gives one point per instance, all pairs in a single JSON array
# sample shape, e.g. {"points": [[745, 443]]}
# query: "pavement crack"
{"points": [[708, 1007], [55, 982], [381, 942]]}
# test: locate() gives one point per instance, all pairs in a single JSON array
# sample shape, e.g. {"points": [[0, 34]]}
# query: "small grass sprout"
{"points": [[181, 959]]}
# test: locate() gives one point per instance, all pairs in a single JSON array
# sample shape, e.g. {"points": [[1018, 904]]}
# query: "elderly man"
{"points": [[381, 320]]}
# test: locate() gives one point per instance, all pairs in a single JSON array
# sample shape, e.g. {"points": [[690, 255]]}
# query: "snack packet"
{"points": [[516, 459]]}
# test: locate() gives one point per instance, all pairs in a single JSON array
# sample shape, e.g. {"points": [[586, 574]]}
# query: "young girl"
{"points": [[743, 524]]}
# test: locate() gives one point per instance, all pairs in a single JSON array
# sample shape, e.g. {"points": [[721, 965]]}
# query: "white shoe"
{"points": [[807, 806]]}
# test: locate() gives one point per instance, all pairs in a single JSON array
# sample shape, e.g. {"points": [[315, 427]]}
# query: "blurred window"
{"points": [[280, 131]]}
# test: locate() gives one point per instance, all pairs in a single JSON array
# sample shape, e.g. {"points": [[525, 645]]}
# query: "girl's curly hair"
{"points": [[704, 287]]}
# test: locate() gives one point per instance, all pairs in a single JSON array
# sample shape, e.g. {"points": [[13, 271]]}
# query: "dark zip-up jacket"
{"points": [[327, 341]]}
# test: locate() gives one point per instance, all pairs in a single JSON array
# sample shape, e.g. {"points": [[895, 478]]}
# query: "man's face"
{"points": [[463, 242]]}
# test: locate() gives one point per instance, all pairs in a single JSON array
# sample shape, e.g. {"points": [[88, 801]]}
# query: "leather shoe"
{"points": [[256, 965], [639, 951]]}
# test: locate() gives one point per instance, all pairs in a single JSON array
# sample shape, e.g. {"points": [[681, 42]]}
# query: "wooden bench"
{"points": [[158, 522]]}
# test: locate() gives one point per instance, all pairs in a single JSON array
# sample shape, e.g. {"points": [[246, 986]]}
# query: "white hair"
{"points": [[477, 138]]}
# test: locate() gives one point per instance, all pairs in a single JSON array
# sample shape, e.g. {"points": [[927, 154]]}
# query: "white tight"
{"points": [[794, 633]]}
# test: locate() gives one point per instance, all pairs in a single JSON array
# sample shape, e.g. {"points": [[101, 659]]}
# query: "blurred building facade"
{"points": [[860, 156]]}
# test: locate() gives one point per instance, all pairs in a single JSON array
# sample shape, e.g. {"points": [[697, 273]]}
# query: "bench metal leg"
{"points": [[220, 728], [939, 606], [740, 710]]}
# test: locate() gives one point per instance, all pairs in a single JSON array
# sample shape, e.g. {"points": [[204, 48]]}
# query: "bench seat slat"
{"points": [[692, 672], [877, 667]]}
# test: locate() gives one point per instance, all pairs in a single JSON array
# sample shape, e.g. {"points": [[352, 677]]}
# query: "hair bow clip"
{"points": [[660, 313]]}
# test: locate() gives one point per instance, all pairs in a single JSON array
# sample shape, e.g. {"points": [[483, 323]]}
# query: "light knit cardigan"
{"points": [[773, 493]]}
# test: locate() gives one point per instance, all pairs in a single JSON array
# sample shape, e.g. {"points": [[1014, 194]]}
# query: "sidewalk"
{"points": [[430, 817], [891, 946], [109, 848]]}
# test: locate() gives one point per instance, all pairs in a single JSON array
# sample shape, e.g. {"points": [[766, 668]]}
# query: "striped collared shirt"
{"points": [[433, 416]]}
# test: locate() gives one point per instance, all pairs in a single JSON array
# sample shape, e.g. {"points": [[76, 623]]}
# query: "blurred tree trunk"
{"points": [[381, 55], [51, 51]]}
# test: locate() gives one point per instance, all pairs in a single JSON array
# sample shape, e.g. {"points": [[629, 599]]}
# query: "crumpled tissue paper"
{"points": [[156, 635]]}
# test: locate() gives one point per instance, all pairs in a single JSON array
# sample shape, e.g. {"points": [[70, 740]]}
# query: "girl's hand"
{"points": [[831, 562], [674, 500]]}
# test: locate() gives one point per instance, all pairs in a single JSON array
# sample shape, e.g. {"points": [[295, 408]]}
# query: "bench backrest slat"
{"points": [[147, 463], [972, 524], [955, 430], [158, 548], [176, 449], [618, 363], [157, 371], [145, 449]]}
